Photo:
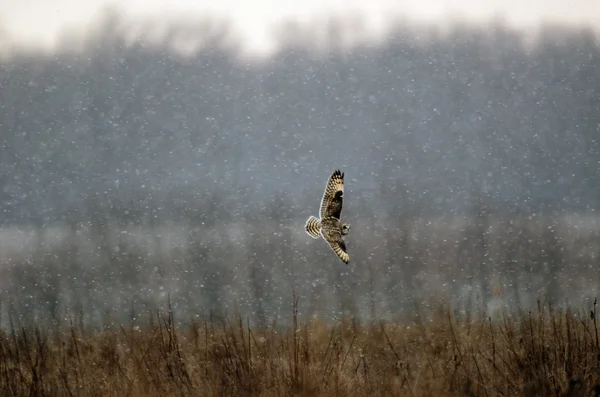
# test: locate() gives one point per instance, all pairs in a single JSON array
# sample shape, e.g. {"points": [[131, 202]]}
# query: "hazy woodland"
{"points": [[130, 175]]}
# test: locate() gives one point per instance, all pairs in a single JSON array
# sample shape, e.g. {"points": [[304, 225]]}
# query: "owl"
{"points": [[329, 226]]}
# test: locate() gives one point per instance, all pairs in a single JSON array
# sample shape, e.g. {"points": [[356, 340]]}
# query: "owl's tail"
{"points": [[313, 227]]}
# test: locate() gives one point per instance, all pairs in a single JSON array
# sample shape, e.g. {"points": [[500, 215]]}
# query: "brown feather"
{"points": [[331, 232], [331, 204]]}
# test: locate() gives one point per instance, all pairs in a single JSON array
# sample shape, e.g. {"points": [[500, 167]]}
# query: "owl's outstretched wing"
{"points": [[331, 204], [336, 242]]}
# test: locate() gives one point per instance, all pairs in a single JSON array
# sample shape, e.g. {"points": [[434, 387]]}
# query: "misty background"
{"points": [[131, 173]]}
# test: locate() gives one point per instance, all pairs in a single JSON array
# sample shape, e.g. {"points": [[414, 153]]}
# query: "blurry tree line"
{"points": [[132, 127], [465, 155], [404, 265]]}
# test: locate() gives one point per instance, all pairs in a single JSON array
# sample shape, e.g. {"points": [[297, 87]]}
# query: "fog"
{"points": [[142, 162], [260, 28]]}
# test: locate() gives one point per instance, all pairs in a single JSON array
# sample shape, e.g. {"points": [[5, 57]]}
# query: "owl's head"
{"points": [[345, 228]]}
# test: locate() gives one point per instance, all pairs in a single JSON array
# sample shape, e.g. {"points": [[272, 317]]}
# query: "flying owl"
{"points": [[329, 226]]}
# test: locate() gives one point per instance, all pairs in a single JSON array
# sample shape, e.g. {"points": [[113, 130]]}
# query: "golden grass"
{"points": [[545, 353]]}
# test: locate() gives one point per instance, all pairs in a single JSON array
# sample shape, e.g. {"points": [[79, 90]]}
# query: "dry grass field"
{"points": [[541, 353]]}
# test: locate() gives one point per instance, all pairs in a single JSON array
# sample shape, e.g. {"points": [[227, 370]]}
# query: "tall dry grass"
{"points": [[541, 353]]}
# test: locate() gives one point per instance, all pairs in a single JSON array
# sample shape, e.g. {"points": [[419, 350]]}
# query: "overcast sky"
{"points": [[41, 24]]}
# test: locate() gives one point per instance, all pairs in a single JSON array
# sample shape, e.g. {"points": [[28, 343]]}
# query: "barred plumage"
{"points": [[313, 227], [331, 204], [329, 226]]}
